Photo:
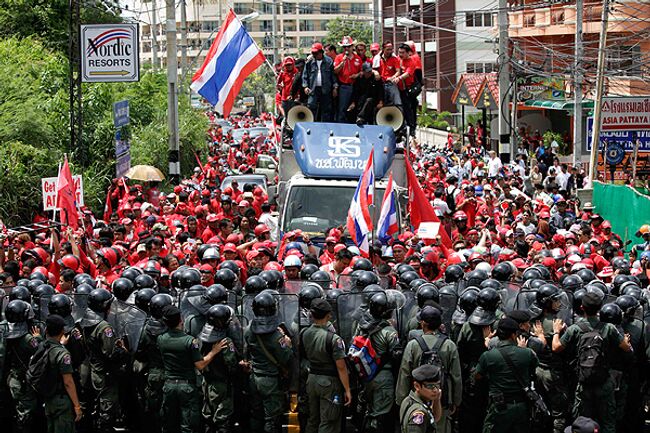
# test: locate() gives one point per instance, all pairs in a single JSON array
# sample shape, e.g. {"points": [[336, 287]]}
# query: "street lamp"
{"points": [[250, 17], [409, 23]]}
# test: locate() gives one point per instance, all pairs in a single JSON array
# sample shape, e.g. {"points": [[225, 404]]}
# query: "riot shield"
{"points": [[194, 307], [566, 308], [346, 283], [79, 306], [525, 299], [293, 286], [407, 313], [287, 304], [127, 321], [399, 302], [386, 282], [4, 299], [508, 296], [448, 301], [41, 307], [350, 307]]}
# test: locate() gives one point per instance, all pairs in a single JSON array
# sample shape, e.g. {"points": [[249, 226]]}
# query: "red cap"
{"points": [[252, 254], [212, 218], [339, 247], [549, 262], [519, 263], [374, 47], [316, 47], [229, 247]]}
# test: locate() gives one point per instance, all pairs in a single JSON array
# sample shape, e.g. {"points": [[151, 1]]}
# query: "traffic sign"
{"points": [[122, 146], [109, 52], [614, 154], [121, 113], [122, 164]]}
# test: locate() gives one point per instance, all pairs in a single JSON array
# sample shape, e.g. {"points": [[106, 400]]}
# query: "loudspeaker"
{"points": [[390, 116], [299, 113]]}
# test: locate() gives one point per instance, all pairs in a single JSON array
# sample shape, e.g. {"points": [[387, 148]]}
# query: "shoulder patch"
{"points": [[67, 360], [283, 343], [417, 417], [340, 344], [195, 343], [231, 346], [108, 332], [33, 342], [76, 334]]}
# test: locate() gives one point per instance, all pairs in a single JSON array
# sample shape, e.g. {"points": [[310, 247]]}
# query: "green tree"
{"points": [[337, 28], [34, 127]]}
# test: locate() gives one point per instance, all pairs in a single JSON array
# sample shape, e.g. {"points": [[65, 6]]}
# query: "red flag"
{"points": [[65, 197], [419, 207], [108, 206]]}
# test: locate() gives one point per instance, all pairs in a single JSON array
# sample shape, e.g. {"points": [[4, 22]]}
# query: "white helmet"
{"points": [[211, 253], [292, 261]]}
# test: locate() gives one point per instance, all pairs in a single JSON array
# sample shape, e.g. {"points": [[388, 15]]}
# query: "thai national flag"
{"points": [[233, 56], [387, 222], [359, 220]]}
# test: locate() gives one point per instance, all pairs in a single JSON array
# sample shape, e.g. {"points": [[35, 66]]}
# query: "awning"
{"points": [[558, 105]]}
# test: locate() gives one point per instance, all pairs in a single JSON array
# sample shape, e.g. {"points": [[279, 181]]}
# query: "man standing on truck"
{"points": [[319, 83]]}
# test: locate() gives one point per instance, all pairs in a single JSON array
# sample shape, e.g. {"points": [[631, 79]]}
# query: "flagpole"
{"points": [[56, 202], [374, 206]]}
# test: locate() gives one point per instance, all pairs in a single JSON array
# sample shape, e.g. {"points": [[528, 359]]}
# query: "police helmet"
{"points": [[123, 287], [216, 294], [143, 297], [227, 278], [255, 284], [60, 304], [307, 270], [219, 316], [427, 292], [264, 305], [309, 292], [158, 303], [17, 311], [611, 313], [99, 300]]}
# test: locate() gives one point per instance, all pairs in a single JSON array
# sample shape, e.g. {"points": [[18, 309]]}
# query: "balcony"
{"points": [[560, 19]]}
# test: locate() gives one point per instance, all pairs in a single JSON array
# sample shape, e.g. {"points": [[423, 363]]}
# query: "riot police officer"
{"points": [[270, 352], [421, 408], [328, 386]]}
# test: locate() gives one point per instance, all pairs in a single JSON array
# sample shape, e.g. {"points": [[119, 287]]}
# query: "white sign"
{"points": [[627, 113], [428, 230], [48, 188], [109, 52], [346, 147]]}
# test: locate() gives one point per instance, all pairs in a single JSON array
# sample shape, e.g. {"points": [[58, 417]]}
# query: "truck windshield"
{"points": [[314, 209]]}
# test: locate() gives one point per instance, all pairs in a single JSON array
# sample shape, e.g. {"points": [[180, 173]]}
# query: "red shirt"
{"points": [[409, 66], [388, 67], [285, 81], [350, 67]]}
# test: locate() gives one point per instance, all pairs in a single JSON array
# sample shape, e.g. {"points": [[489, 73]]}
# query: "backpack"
{"points": [[40, 374], [430, 356], [365, 361], [591, 365]]}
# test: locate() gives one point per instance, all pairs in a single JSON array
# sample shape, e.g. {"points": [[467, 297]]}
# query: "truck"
{"points": [[319, 173]]}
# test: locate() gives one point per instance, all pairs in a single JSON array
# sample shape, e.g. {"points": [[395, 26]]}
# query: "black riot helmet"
{"points": [[255, 284], [369, 291], [219, 316], [611, 313], [122, 288], [227, 278], [403, 267], [365, 278], [621, 264], [546, 273], [628, 304], [586, 275], [415, 284], [34, 284], [37, 276], [476, 277], [143, 297], [488, 299], [332, 295], [23, 282], [273, 280], [131, 273], [577, 299], [60, 304], [83, 289], [378, 305], [468, 301], [362, 264], [43, 291], [99, 300], [144, 281], [571, 283], [321, 277], [84, 279], [618, 282], [190, 277], [22, 293], [427, 292], [265, 305], [175, 277], [405, 278], [158, 303], [453, 273], [216, 294], [546, 294], [307, 270], [309, 292], [232, 265], [532, 274], [502, 272], [17, 311], [491, 283]]}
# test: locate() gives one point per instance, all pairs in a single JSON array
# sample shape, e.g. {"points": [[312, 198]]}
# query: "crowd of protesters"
{"points": [[515, 228]]}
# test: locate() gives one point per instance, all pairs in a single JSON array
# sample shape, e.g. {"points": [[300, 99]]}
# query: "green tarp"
{"points": [[624, 207]]}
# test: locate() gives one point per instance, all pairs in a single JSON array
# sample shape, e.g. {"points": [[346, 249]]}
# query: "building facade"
{"points": [[298, 24]]}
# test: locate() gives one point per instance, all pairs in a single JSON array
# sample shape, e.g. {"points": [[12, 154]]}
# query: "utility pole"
{"points": [[183, 37], [376, 25], [600, 84], [74, 79], [577, 87], [154, 35], [505, 149], [172, 95], [274, 30]]}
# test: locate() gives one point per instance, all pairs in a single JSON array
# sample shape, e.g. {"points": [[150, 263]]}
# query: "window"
{"points": [[290, 26], [323, 26], [624, 60], [266, 8], [357, 8], [288, 8], [306, 8], [290, 42], [266, 25], [478, 19], [306, 42], [306, 26], [480, 68], [242, 8], [208, 26], [330, 8]]}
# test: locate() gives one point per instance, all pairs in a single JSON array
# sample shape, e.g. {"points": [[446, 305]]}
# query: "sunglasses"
{"points": [[431, 386]]}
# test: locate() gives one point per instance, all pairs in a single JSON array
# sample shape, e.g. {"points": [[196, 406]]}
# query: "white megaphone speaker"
{"points": [[299, 113], [390, 116]]}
